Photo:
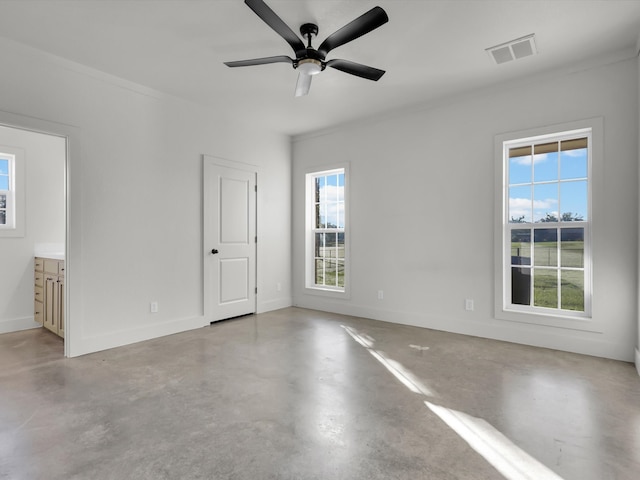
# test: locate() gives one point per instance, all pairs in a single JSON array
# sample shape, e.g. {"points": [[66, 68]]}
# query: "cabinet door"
{"points": [[38, 311], [59, 305], [51, 266], [38, 293], [49, 296]]}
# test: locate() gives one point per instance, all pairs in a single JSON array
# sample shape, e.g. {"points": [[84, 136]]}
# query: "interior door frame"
{"points": [[72, 241], [207, 307]]}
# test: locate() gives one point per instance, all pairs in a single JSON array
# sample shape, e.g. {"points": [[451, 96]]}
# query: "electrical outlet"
{"points": [[278, 287], [380, 295], [153, 306], [468, 304]]}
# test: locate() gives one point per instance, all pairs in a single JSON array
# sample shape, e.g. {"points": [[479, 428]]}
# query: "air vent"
{"points": [[513, 50]]}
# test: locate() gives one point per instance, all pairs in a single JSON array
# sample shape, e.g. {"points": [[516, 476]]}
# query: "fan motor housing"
{"points": [[309, 29]]}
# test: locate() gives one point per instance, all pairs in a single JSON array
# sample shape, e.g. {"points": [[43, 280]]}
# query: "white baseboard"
{"points": [[86, 345], [638, 361], [17, 324], [276, 304], [566, 340]]}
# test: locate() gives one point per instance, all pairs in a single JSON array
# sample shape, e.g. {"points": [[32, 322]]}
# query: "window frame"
{"points": [[9, 193], [504, 309], [310, 230], [14, 226]]}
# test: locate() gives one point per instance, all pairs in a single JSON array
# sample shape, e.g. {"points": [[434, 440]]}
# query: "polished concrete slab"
{"points": [[300, 394]]}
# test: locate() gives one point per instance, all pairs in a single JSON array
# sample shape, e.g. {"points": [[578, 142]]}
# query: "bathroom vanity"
{"points": [[49, 293]]}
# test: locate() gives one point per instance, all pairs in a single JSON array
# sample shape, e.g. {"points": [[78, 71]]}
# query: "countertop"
{"points": [[51, 255]]}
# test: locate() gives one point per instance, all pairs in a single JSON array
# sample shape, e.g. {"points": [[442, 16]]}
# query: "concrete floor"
{"points": [[299, 394]]}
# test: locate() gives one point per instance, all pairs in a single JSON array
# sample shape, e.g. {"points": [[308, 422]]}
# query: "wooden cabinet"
{"points": [[49, 294], [59, 305], [38, 300]]}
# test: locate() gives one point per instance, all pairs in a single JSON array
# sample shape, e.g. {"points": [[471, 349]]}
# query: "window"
{"points": [[326, 259], [7, 191], [12, 191], [546, 224]]}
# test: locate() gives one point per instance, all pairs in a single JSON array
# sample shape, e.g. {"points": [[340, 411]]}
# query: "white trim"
{"points": [[223, 162], [275, 304], [309, 287], [552, 318], [566, 340], [208, 162], [17, 186], [17, 324], [73, 231], [638, 361], [147, 332], [509, 227]]}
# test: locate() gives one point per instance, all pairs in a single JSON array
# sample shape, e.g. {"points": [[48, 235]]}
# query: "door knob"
{"points": [[214, 251]]}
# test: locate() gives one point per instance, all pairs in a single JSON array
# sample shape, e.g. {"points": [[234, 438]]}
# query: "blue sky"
{"points": [[4, 174], [332, 199], [534, 189]]}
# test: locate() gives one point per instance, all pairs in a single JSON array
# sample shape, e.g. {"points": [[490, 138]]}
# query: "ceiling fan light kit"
{"points": [[309, 66], [308, 60]]}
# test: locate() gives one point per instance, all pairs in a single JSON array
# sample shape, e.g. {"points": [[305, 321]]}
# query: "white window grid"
{"points": [[312, 230], [7, 208], [533, 225]]}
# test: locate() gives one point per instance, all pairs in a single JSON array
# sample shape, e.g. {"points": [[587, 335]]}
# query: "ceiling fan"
{"points": [[308, 60]]}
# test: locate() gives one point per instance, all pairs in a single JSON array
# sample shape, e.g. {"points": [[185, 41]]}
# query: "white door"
{"points": [[229, 241]]}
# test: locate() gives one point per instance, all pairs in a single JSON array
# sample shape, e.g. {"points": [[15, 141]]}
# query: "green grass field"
{"points": [[546, 253], [545, 281], [330, 273]]}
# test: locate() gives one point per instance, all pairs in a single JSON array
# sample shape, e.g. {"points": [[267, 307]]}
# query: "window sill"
{"points": [[327, 292], [582, 323]]}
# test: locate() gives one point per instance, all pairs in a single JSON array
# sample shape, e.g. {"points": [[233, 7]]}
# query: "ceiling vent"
{"points": [[513, 50]]}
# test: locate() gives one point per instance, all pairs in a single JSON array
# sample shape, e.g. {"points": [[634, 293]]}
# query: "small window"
{"points": [[7, 191], [547, 224], [326, 233]]}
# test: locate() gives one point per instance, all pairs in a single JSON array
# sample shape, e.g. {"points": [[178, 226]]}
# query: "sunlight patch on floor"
{"points": [[506, 457]]}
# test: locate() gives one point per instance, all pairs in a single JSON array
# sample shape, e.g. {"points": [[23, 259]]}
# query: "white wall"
{"points": [[637, 356], [422, 208], [44, 158], [135, 188]]}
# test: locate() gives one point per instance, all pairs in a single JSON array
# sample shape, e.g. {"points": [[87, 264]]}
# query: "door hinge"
{"points": [[255, 188], [256, 289], [256, 239]]}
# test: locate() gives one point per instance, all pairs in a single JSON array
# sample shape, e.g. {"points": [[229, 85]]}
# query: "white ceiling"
{"points": [[430, 48]]}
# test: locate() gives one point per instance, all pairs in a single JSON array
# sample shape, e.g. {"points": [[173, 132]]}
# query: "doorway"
{"points": [[34, 180], [229, 239]]}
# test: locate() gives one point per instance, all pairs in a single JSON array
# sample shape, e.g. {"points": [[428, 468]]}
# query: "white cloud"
{"points": [[544, 204], [578, 152], [332, 193], [526, 160], [519, 207], [333, 210], [540, 158], [523, 161]]}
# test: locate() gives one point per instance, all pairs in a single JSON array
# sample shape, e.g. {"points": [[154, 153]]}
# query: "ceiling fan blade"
{"points": [[356, 69], [269, 17], [363, 24], [303, 85], [260, 61]]}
